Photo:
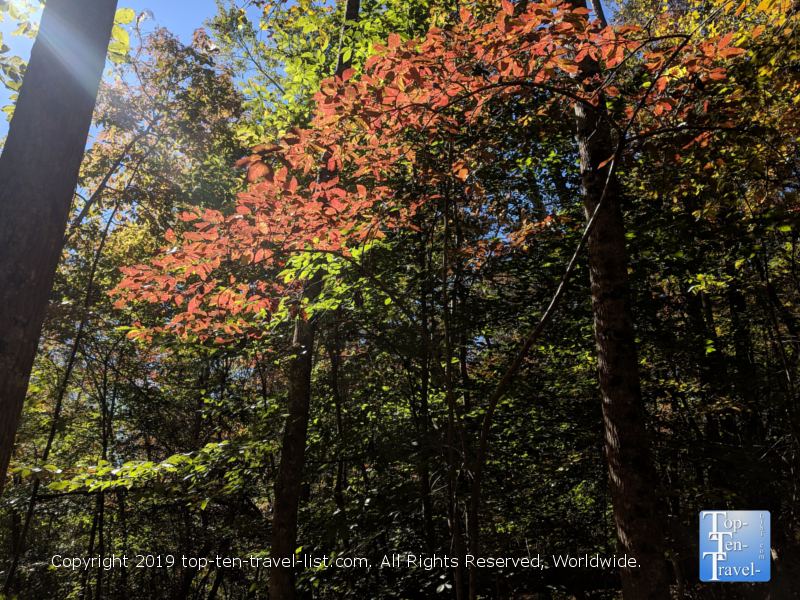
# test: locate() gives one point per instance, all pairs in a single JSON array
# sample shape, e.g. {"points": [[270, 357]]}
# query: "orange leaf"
{"points": [[725, 41], [605, 162], [728, 52]]}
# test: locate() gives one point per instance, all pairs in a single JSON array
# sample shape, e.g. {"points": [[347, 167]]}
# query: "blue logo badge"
{"points": [[734, 545]]}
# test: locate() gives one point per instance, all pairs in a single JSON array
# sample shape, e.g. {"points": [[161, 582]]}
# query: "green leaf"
{"points": [[124, 16], [118, 47], [388, 301], [117, 58], [118, 51], [121, 35]]}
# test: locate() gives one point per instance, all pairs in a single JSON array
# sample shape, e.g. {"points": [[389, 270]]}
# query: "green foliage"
{"points": [[12, 68], [286, 50], [120, 44]]}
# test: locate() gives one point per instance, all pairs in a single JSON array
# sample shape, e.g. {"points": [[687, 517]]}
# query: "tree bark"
{"points": [[289, 482], [636, 514], [38, 174], [335, 354], [424, 415]]}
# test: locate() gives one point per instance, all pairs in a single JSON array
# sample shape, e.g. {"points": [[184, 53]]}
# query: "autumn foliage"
{"points": [[412, 94]]}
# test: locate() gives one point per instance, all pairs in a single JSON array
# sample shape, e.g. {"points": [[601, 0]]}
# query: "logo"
{"points": [[734, 545]]}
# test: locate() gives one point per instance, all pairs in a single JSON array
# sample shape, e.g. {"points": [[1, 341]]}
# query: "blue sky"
{"points": [[181, 17]]}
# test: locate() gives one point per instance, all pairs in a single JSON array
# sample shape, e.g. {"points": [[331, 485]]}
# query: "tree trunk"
{"points": [[424, 414], [290, 472], [636, 514], [38, 174], [289, 482], [335, 354]]}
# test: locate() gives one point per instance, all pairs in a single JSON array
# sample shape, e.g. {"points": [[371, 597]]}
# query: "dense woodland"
{"points": [[329, 288]]}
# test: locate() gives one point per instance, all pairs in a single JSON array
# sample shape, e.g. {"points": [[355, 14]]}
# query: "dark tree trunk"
{"points": [[86, 589], [335, 354], [289, 482], [632, 478], [38, 174], [290, 472], [101, 546], [423, 418], [639, 528]]}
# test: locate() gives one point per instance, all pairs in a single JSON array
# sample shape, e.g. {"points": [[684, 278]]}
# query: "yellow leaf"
{"points": [[124, 16], [764, 6]]}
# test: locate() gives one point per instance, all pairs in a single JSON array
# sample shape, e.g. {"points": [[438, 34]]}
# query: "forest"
{"points": [[399, 299]]}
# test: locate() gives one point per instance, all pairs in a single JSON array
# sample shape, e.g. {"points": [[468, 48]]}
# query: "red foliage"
{"points": [[377, 126]]}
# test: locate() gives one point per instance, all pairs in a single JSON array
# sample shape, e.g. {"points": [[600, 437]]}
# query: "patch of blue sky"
{"points": [[181, 17]]}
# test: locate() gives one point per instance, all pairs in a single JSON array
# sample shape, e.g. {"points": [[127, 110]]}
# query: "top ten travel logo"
{"points": [[734, 545]]}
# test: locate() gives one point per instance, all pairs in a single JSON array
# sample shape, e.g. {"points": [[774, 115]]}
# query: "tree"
{"points": [[640, 526], [290, 472], [38, 174]]}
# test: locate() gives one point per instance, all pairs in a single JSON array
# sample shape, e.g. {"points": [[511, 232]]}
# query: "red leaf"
{"points": [[508, 8], [728, 52], [257, 171]]}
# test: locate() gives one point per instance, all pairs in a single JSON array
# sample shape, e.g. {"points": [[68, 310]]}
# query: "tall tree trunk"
{"points": [[335, 354], [632, 478], [101, 546], [289, 482], [38, 174], [636, 515], [123, 519], [424, 414], [86, 589]]}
